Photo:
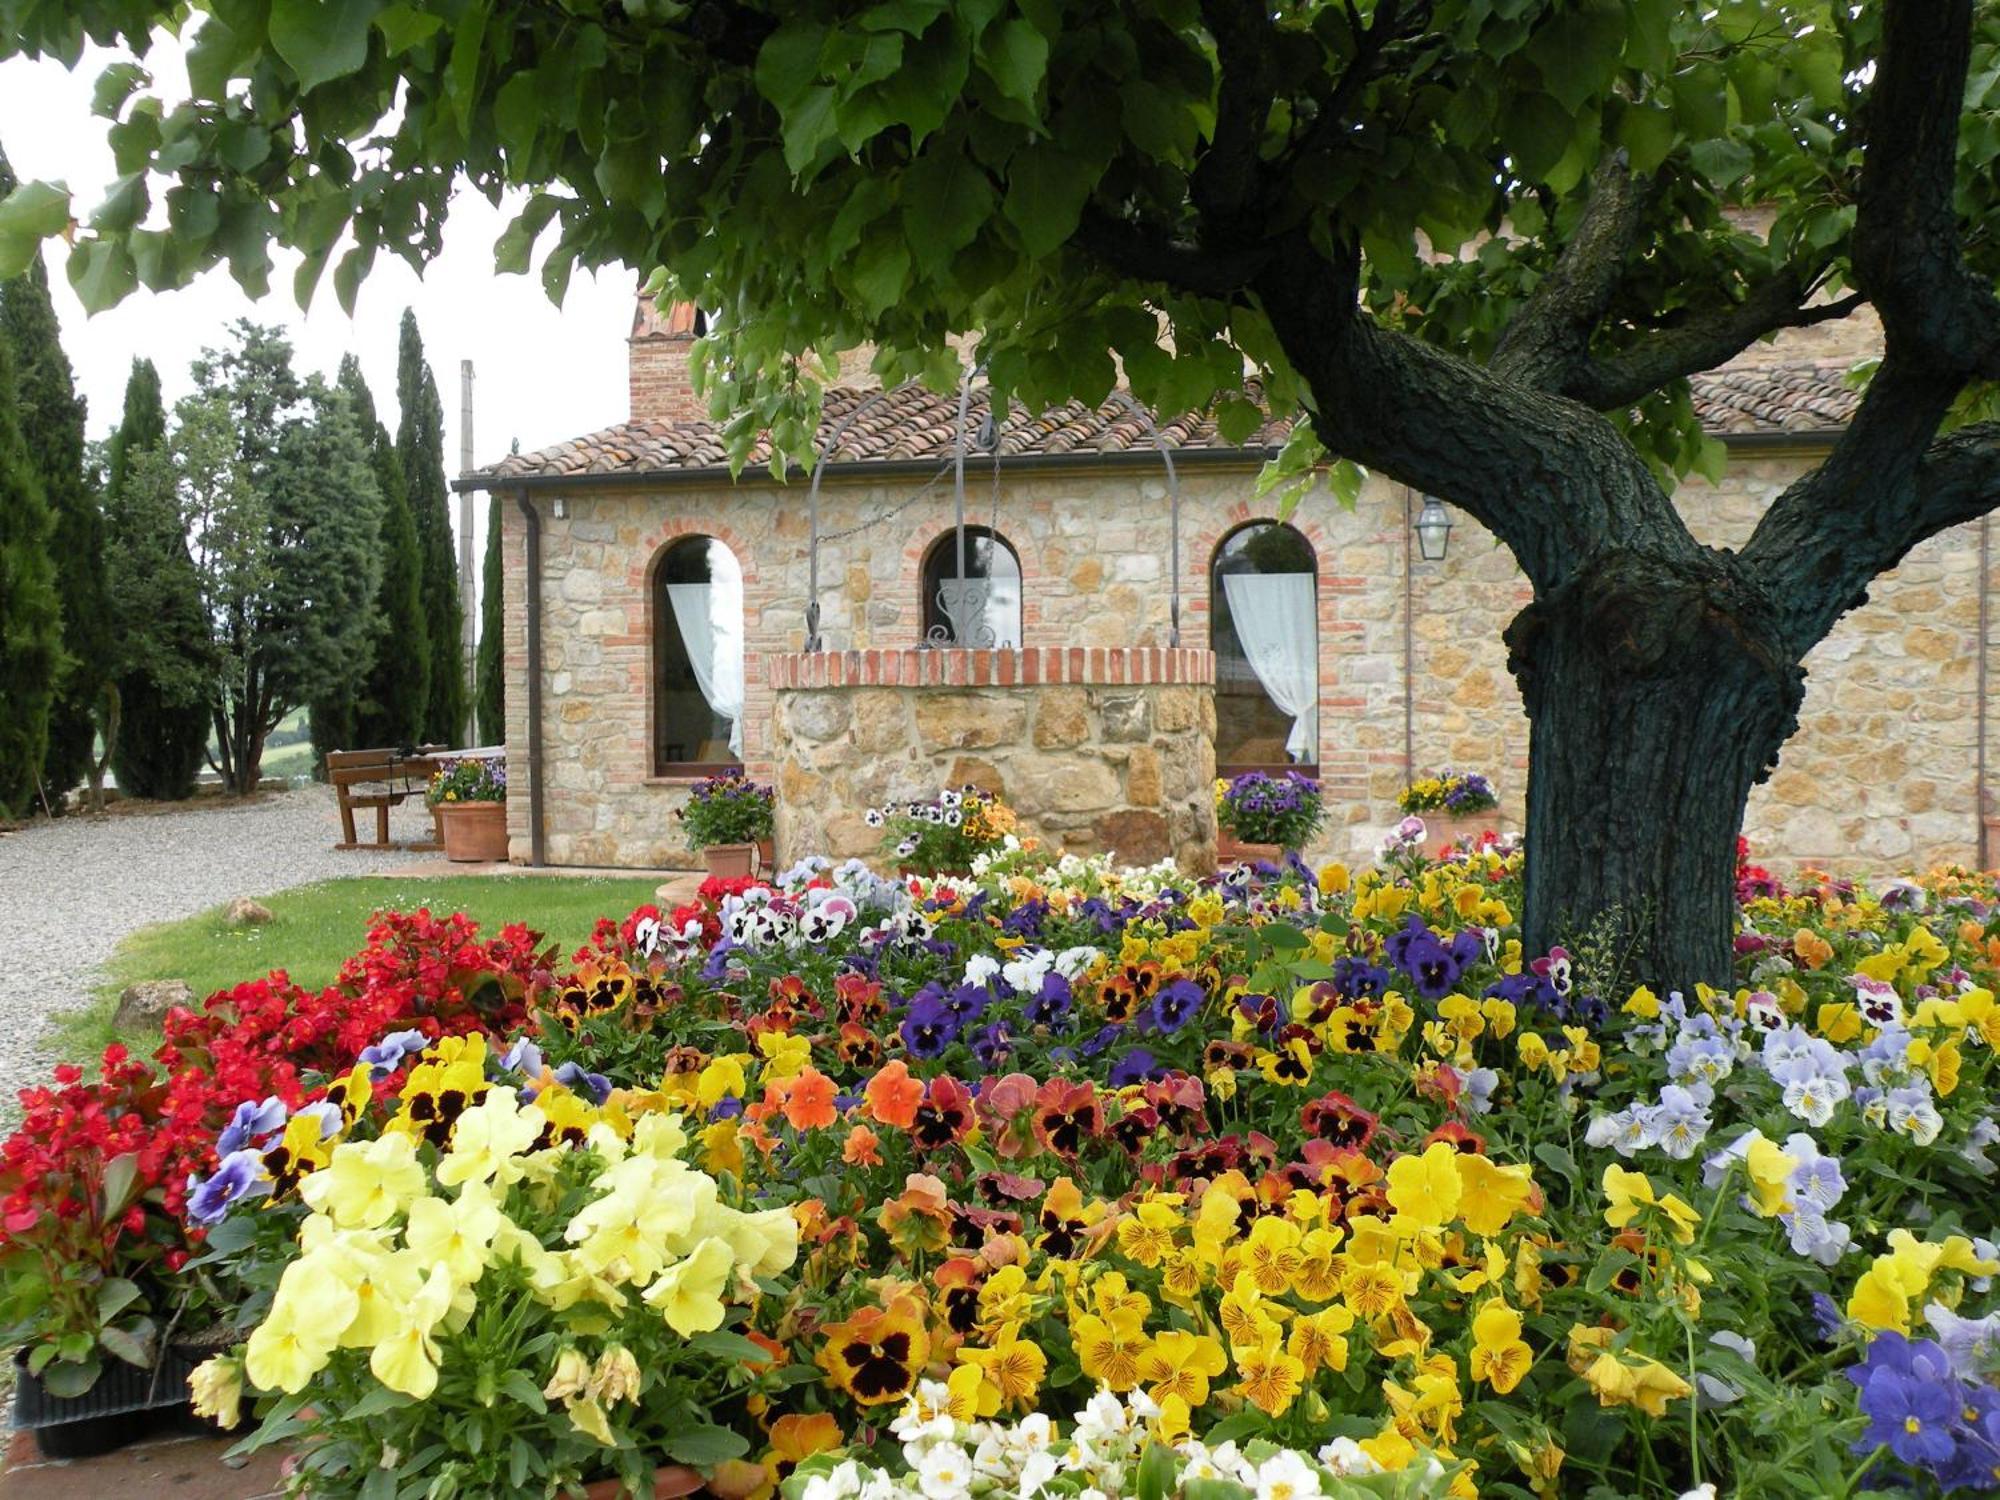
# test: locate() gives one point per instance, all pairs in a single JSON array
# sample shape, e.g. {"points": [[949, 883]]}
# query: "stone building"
{"points": [[1137, 623]]}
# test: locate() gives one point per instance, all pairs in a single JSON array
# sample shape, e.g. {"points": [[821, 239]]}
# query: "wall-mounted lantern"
{"points": [[1433, 529]]}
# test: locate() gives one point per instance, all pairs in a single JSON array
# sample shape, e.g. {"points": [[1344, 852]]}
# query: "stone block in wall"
{"points": [[1143, 782], [1127, 717], [969, 721], [1062, 718], [1136, 836], [819, 716]]}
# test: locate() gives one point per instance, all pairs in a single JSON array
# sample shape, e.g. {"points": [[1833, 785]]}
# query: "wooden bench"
{"points": [[380, 779]]}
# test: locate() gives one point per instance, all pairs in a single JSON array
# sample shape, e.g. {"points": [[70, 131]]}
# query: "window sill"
{"points": [[680, 778]]}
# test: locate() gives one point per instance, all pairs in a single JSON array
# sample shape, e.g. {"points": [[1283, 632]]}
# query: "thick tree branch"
{"points": [[1227, 176], [1832, 531], [1553, 480], [1618, 380], [1826, 537], [1150, 255], [1549, 337], [1906, 246]]}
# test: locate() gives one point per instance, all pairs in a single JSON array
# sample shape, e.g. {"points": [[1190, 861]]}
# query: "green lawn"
{"points": [[319, 926]]}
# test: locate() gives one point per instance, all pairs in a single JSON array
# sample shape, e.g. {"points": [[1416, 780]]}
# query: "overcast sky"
{"points": [[542, 374]]}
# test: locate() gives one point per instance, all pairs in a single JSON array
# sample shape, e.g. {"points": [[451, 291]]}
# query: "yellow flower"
{"points": [[688, 1294], [1109, 1349], [407, 1360], [571, 1375], [1490, 1195], [1628, 1192], [367, 1183], [1319, 1340], [1770, 1168], [301, 1330], [217, 1387], [489, 1140], [1643, 1004], [1622, 1380], [1333, 879], [1270, 1379], [455, 1236], [616, 1377], [786, 1055], [1500, 1356], [722, 1148], [1271, 1255], [1371, 1290], [1180, 1363], [1013, 1367], [1424, 1190], [721, 1079], [1146, 1234], [588, 1418]]}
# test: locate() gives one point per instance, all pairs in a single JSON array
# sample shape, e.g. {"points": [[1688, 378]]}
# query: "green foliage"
{"points": [[383, 704], [391, 707], [420, 448], [51, 418], [822, 174], [30, 617], [163, 660], [492, 697], [282, 504]]}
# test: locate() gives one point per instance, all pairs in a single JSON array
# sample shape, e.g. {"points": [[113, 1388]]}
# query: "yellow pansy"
{"points": [[1180, 1363], [489, 1140], [1489, 1194], [1424, 1190], [366, 1183], [407, 1361], [721, 1079], [785, 1055], [1500, 1356], [1012, 1366], [456, 1235], [688, 1294]]}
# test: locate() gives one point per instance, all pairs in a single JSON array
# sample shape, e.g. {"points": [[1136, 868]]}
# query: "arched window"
{"points": [[991, 611], [697, 658], [1264, 614]]}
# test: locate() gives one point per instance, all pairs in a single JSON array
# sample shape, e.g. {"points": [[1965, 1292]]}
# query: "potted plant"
{"points": [[942, 836], [726, 817], [1260, 817], [1453, 805], [87, 1255], [548, 1309], [470, 798]]}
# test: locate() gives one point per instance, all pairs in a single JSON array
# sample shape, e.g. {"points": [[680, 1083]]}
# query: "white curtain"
{"points": [[710, 617], [1275, 620]]}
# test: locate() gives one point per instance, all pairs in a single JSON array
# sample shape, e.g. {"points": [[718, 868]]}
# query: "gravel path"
{"points": [[71, 889]]}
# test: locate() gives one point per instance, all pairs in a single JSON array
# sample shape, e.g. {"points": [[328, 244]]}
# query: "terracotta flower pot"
{"points": [[731, 861], [474, 832], [1441, 830], [1230, 850], [767, 855], [669, 1481]]}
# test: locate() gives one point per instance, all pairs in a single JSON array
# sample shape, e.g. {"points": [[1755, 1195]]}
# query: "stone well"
{"points": [[1098, 748]]}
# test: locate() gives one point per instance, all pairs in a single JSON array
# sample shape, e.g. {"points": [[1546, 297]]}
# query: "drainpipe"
{"points": [[1409, 645], [1979, 775], [537, 839]]}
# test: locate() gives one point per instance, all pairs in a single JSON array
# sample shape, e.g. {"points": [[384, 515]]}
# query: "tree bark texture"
{"points": [[1655, 701], [1660, 677]]}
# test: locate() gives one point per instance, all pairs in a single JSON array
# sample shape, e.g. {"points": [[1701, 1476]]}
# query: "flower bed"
{"points": [[1056, 1177]]}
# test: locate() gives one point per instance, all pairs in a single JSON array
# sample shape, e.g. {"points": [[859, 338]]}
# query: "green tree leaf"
{"points": [[1016, 57], [321, 40], [1046, 191]]}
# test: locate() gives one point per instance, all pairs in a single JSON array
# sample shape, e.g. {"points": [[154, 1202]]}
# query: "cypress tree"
{"points": [[492, 666], [51, 419], [388, 707], [164, 660], [30, 617], [420, 447]]}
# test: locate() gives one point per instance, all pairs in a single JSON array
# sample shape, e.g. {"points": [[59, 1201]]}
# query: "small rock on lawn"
{"points": [[146, 1004], [243, 912]]}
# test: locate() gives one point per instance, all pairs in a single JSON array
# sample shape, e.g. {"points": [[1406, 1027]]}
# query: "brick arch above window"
{"points": [[1262, 591]]}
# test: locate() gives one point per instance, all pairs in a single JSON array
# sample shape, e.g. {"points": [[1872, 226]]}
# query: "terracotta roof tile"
{"points": [[914, 423]]}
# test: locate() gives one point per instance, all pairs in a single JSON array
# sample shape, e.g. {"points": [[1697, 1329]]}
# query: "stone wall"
{"points": [[1094, 750], [1880, 777]]}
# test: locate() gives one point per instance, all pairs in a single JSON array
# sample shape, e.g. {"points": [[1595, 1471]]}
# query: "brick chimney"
{"points": [[661, 342]]}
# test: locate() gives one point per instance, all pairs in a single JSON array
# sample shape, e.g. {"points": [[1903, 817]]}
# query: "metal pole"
{"points": [[1409, 646], [468, 590], [958, 480], [1979, 779]]}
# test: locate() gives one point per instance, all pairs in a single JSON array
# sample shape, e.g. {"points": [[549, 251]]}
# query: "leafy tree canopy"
{"points": [[1057, 174]]}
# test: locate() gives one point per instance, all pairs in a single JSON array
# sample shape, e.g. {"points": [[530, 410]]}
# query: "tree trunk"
{"points": [[1655, 702]]}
